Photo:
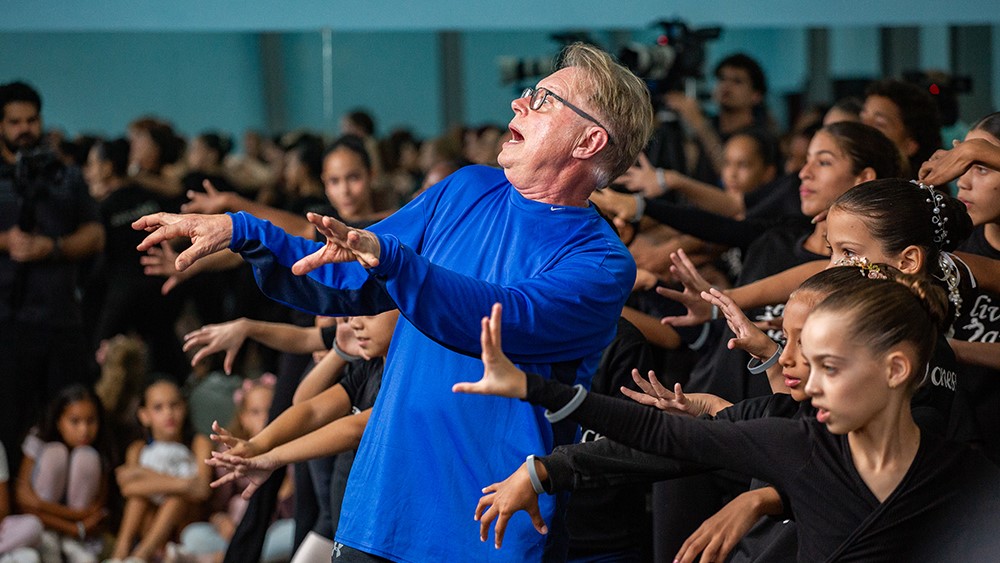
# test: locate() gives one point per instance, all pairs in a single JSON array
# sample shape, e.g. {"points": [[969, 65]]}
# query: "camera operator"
{"points": [[740, 89], [48, 223]]}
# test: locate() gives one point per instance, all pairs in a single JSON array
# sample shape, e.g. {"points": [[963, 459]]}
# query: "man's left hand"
{"points": [[343, 244]]}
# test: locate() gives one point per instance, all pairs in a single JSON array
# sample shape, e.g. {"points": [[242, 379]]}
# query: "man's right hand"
{"points": [[208, 233]]}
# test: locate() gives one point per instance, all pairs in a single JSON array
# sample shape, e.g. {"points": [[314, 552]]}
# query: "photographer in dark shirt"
{"points": [[48, 223], [739, 92]]}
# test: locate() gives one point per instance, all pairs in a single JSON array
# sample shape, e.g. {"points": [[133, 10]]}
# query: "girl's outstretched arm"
{"points": [[341, 435]]}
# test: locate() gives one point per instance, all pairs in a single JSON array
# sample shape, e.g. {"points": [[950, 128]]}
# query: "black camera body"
{"points": [[678, 55], [34, 171]]}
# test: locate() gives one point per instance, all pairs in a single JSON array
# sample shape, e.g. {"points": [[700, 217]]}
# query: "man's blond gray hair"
{"points": [[621, 102]]}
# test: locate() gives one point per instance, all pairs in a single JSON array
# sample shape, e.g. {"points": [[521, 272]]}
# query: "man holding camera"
{"points": [[740, 90], [48, 223]]}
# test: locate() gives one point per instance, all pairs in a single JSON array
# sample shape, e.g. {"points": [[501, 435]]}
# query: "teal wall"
{"points": [[97, 82]]}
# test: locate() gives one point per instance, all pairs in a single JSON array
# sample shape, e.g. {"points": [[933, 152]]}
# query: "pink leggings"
{"points": [[19, 530], [60, 474]]}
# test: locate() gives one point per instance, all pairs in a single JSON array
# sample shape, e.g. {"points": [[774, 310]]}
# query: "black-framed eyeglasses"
{"points": [[536, 97]]}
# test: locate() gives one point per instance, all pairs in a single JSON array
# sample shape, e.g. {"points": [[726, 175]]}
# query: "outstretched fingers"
{"points": [[492, 345], [658, 387], [227, 478], [250, 490], [160, 226], [500, 376]]}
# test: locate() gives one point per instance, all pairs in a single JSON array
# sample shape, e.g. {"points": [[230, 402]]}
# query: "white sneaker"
{"points": [[21, 555], [77, 552], [48, 547]]}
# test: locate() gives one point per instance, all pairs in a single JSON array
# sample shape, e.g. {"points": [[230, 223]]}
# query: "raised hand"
{"points": [[161, 261], [748, 336], [212, 201], [500, 376], [699, 310], [343, 244], [718, 535], [208, 233], [945, 165], [502, 500], [233, 445], [654, 394], [614, 204], [256, 470], [224, 337], [641, 178], [687, 107]]}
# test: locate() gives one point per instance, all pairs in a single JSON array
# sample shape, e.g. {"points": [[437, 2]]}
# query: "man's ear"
{"points": [[910, 147], [591, 143]]}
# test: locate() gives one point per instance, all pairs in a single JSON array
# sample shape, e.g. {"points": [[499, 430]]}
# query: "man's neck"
{"points": [[567, 189]]}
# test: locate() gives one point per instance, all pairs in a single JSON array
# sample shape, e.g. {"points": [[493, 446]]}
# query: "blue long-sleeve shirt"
{"points": [[562, 276]]}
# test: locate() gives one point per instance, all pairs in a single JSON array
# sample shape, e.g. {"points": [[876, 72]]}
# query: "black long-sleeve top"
{"points": [[947, 503], [606, 463], [769, 206]]}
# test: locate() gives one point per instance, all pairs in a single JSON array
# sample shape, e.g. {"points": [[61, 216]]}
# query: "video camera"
{"points": [[678, 55], [34, 171]]}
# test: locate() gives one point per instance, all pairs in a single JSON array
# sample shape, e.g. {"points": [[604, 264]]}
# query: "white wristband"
{"points": [[571, 406], [661, 179], [761, 367], [640, 208], [536, 483]]}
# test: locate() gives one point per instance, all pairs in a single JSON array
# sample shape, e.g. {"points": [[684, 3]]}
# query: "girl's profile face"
{"points": [[848, 237], [347, 183], [979, 187], [844, 383], [78, 424], [826, 175], [743, 168], [164, 411], [794, 368], [253, 414]]}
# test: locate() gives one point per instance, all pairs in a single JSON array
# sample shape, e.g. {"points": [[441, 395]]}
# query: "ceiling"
{"points": [[415, 15]]}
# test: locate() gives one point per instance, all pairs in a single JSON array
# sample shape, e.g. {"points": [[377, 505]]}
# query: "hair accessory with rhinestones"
{"points": [[867, 268], [936, 199]]}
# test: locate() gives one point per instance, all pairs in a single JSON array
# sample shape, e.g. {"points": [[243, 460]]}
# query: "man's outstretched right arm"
{"points": [[208, 233]]}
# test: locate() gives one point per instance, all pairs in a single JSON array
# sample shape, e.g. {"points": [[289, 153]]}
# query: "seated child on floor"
{"points": [[163, 480], [63, 479]]}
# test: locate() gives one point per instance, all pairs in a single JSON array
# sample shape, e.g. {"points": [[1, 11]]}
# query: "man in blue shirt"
{"points": [[525, 236]]}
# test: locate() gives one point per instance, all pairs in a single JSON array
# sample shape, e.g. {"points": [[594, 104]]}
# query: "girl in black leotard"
{"points": [[863, 482]]}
